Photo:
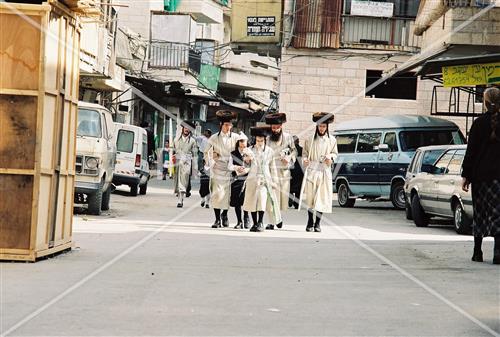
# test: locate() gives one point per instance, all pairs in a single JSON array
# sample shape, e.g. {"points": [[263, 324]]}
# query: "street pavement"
{"points": [[147, 268]]}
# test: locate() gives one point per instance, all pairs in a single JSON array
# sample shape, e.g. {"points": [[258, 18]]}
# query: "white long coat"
{"points": [[218, 154], [283, 149], [186, 153], [317, 184], [261, 183]]}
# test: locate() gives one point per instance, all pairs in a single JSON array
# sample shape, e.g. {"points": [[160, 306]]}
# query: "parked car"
{"points": [[437, 189], [132, 167], [374, 154], [95, 157]]}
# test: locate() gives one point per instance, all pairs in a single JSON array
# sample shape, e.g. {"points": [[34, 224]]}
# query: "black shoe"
{"points": [[239, 225], [217, 224], [179, 205], [254, 228], [317, 228], [260, 227], [477, 257], [188, 194], [310, 226], [280, 225], [270, 227], [225, 222], [203, 204], [164, 178], [246, 223], [207, 205]]}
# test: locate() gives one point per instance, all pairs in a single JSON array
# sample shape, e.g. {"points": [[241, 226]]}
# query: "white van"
{"points": [[132, 167], [95, 157]]}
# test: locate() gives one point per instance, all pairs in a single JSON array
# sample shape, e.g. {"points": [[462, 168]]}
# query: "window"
{"points": [[125, 141], [429, 159], [368, 141], [403, 86], [414, 161], [145, 147], [89, 123], [455, 166], [346, 143], [441, 166], [412, 140], [391, 141]]}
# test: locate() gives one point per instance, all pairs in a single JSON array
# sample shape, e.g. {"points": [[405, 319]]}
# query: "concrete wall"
{"points": [[333, 83], [137, 15]]}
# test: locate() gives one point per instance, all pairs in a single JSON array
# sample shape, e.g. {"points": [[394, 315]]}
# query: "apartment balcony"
{"points": [[167, 55], [204, 11], [379, 33]]}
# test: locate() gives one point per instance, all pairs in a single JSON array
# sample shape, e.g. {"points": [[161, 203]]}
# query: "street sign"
{"points": [[472, 74], [209, 77], [261, 25], [372, 8]]}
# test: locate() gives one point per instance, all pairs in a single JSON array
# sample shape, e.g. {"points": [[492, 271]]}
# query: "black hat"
{"points": [[276, 118], [225, 116], [189, 125], [260, 131], [323, 117]]}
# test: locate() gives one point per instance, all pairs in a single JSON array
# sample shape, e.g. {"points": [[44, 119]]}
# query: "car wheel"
{"points": [[408, 214], [419, 217], [133, 189], [95, 201], [398, 195], [343, 196], [463, 224], [143, 189], [106, 196]]}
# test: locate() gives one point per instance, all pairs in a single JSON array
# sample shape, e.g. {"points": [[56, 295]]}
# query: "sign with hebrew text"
{"points": [[472, 74]]}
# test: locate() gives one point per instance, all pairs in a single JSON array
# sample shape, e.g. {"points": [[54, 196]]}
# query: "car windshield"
{"points": [[89, 123], [412, 140]]}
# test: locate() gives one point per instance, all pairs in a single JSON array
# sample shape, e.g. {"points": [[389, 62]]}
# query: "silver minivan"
{"points": [[434, 187], [374, 154]]}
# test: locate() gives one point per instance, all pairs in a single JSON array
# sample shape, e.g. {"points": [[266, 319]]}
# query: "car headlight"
{"points": [[91, 162]]}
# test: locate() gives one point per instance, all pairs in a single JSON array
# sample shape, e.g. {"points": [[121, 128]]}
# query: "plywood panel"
{"points": [[51, 50], [18, 128], [48, 131], [16, 195], [43, 212], [19, 52]]}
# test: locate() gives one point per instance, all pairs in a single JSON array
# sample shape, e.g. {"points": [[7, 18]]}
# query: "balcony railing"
{"points": [[168, 55], [379, 33]]}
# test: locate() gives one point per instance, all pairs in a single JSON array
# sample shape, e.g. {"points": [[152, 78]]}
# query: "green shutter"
{"points": [[209, 77]]}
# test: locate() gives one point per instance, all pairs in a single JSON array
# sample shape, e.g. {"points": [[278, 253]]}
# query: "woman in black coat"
{"points": [[239, 176], [481, 168]]}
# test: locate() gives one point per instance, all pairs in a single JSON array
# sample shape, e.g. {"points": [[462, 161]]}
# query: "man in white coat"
{"points": [[285, 154], [319, 153], [217, 155], [185, 154]]}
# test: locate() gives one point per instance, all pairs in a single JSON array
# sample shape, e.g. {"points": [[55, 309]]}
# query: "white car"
{"points": [[434, 187], [95, 157], [132, 167]]}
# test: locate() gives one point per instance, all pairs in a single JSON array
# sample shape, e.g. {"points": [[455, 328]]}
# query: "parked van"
{"points": [[374, 154], [95, 157], [132, 167]]}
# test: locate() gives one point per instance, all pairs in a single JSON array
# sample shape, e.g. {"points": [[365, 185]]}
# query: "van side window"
{"points": [[368, 141], [125, 141], [391, 141], [346, 143], [145, 146], [105, 129], [455, 165]]}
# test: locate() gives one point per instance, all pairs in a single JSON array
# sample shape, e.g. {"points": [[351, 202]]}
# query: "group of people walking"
{"points": [[256, 180]]}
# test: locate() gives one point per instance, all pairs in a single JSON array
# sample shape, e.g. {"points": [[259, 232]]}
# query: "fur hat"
{"points": [[276, 118], [323, 117], [260, 131], [225, 116], [189, 125]]}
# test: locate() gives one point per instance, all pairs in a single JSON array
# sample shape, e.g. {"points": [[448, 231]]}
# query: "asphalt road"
{"points": [[147, 268]]}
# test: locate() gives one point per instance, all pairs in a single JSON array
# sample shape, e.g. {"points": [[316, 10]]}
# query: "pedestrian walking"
{"points": [[481, 169], [285, 154], [166, 161], [240, 172], [185, 152], [262, 181], [297, 176], [319, 153], [217, 154], [205, 185]]}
